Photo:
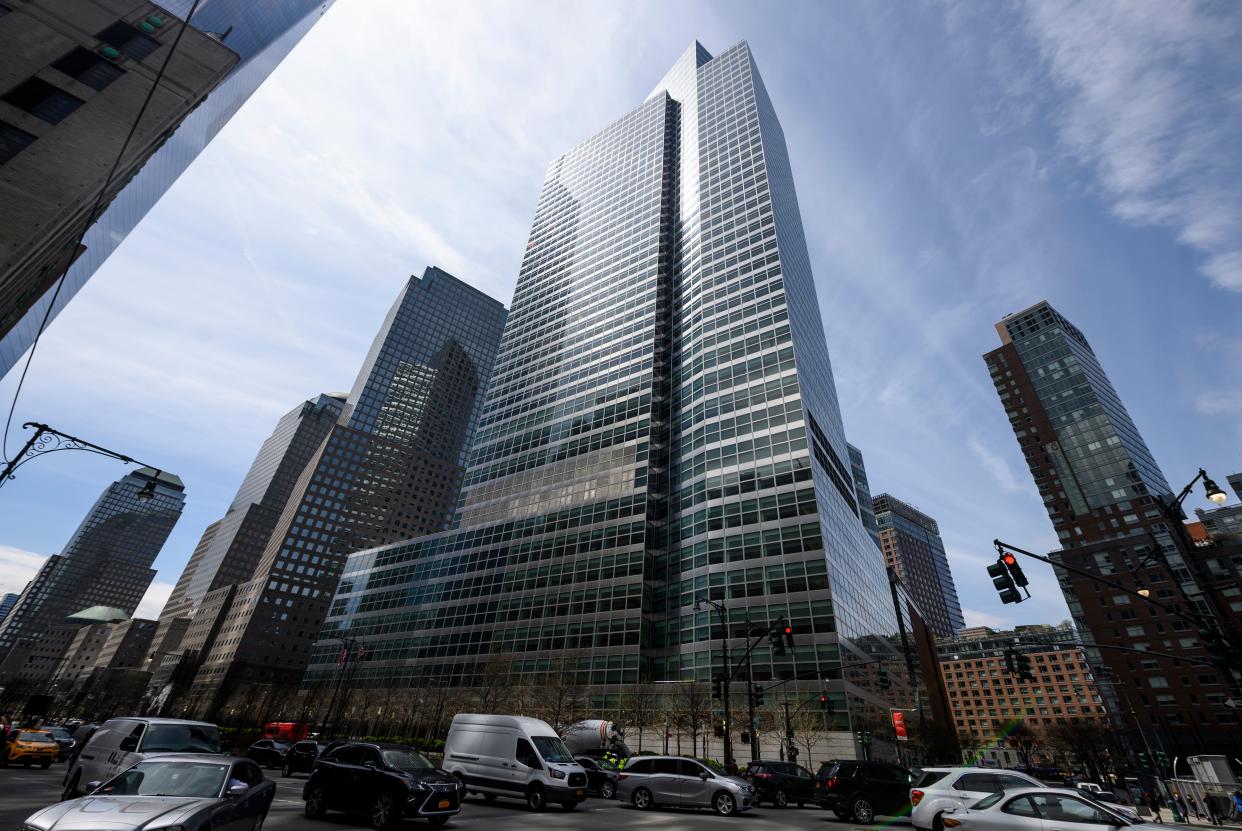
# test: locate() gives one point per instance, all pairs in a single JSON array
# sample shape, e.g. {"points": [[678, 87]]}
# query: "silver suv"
{"points": [[648, 781]]}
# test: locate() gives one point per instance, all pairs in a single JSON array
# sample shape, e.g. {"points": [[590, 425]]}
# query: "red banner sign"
{"points": [[899, 726]]}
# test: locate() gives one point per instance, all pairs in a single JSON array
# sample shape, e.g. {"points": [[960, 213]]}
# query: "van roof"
{"points": [[533, 726], [149, 720]]}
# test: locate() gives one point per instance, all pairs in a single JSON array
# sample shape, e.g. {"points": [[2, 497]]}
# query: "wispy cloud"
{"points": [[977, 617], [17, 568], [994, 464], [1143, 113], [1220, 402]]}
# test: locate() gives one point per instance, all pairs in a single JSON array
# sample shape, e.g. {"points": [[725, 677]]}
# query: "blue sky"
{"points": [[954, 162]]}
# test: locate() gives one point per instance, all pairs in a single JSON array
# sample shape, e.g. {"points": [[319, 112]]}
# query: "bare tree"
{"points": [[692, 709], [557, 699], [1025, 742], [971, 744], [640, 708], [494, 683], [809, 733]]}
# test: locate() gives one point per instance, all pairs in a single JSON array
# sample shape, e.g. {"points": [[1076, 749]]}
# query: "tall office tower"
{"points": [[662, 429], [231, 547], [76, 78], [390, 468], [106, 563], [912, 547], [7, 603], [1110, 504], [862, 490], [73, 78]]}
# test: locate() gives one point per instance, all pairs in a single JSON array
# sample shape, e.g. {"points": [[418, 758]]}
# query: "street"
{"points": [[23, 791]]}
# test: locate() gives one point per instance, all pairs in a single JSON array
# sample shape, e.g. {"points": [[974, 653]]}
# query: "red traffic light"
{"points": [[788, 630], [1009, 559]]}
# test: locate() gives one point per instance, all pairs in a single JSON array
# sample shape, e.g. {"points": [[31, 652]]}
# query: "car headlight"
{"points": [[556, 774], [414, 784]]}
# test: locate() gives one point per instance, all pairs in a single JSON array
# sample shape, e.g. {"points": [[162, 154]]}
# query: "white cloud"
{"points": [[975, 617], [994, 464], [1219, 402], [17, 568], [153, 601], [1144, 112]]}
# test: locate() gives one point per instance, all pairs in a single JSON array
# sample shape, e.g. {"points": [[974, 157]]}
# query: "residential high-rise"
{"points": [[662, 429], [389, 468], [107, 562], [76, 75], [7, 603], [912, 547], [987, 700], [1110, 504]]}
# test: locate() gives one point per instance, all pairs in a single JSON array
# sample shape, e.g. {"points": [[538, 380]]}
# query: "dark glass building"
{"points": [[107, 562], [1111, 507], [7, 603], [389, 468], [912, 547], [254, 37], [662, 428], [232, 546]]}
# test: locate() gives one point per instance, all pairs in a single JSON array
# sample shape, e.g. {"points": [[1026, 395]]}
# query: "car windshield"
{"points": [[406, 760], [989, 800], [156, 778], [552, 749], [33, 737], [715, 766], [181, 738], [58, 732]]}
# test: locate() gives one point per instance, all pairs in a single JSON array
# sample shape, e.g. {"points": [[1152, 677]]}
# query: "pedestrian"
{"points": [[1237, 803], [1180, 805], [1153, 802], [1213, 811]]}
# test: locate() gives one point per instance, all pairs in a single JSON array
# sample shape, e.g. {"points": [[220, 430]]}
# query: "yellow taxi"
{"points": [[30, 747]]}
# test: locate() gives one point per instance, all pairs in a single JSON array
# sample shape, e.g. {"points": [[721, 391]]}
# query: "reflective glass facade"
{"points": [[662, 426], [107, 562], [261, 33], [912, 547]]}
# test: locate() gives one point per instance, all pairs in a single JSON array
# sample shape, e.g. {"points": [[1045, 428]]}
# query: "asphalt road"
{"points": [[23, 791]]}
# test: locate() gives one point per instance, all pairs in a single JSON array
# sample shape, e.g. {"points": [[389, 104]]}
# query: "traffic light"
{"points": [[1162, 760], [777, 643], [1143, 761], [758, 695], [1015, 570], [864, 737], [825, 703], [744, 736], [789, 637], [1004, 584], [717, 688], [882, 673]]}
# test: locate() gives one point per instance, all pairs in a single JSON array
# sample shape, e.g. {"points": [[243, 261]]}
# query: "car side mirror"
{"points": [[237, 791], [129, 744], [93, 786], [705, 776]]}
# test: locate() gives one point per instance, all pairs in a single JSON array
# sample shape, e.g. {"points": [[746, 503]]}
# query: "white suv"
{"points": [[941, 789]]}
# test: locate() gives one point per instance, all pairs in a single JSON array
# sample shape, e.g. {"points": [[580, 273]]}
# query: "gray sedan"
{"points": [[192, 792], [1042, 809]]}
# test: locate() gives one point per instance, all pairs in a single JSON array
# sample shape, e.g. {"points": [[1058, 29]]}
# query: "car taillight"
{"points": [[916, 797], [831, 783], [763, 776]]}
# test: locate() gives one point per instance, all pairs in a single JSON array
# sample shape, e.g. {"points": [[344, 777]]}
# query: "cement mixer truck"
{"points": [[596, 738]]}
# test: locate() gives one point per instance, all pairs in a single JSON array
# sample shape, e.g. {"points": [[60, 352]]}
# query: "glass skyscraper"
{"points": [[107, 562], [262, 34], [662, 427], [912, 547], [388, 469]]}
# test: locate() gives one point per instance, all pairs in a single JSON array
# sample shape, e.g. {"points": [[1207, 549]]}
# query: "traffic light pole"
{"points": [[750, 707]]}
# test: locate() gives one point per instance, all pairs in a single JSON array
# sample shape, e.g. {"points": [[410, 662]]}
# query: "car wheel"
{"points": [[861, 811], [71, 790], [608, 790], [316, 806], [641, 799], [724, 804], [258, 822], [384, 812], [536, 799], [938, 822], [780, 800], [26, 764]]}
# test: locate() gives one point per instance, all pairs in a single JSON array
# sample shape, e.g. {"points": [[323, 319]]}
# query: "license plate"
{"points": [[443, 803], [579, 792]]}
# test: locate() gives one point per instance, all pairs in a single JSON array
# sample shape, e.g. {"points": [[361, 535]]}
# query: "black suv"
{"points": [[385, 782], [780, 783], [301, 757], [862, 790], [268, 753]]}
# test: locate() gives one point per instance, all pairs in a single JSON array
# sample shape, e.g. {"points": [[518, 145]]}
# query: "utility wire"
{"points": [[90, 220]]}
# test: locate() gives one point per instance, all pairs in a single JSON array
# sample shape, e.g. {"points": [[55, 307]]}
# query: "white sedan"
{"points": [[1042, 809]]}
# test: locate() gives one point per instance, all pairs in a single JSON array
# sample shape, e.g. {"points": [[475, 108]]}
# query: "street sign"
{"points": [[1233, 703], [899, 726]]}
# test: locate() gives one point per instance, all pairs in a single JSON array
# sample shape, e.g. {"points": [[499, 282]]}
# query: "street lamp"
{"points": [[48, 440], [726, 673]]}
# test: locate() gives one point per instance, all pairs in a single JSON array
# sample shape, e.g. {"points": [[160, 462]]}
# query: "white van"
{"points": [[515, 757], [120, 743]]}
